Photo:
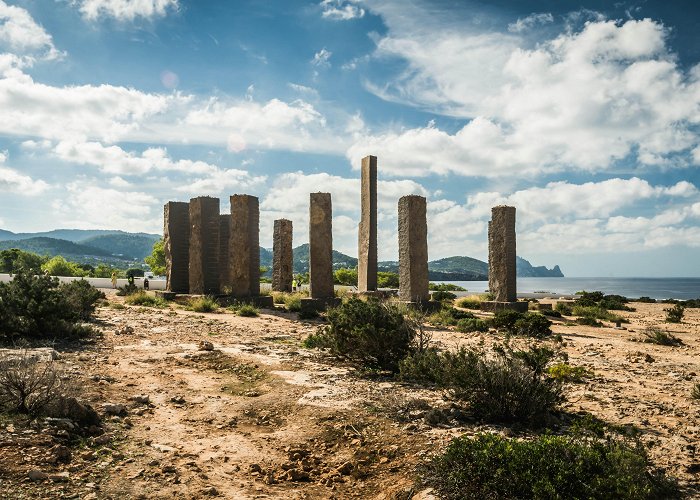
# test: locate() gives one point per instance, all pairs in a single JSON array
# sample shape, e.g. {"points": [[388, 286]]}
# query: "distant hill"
{"points": [[74, 235], [526, 270], [53, 246], [130, 246]]}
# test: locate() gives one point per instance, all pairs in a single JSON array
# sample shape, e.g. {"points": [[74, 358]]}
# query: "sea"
{"points": [[655, 288]]}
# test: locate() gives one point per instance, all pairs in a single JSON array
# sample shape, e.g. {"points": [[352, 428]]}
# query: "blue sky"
{"points": [[582, 115]]}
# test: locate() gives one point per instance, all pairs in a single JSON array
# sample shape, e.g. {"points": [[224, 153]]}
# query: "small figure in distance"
{"points": [[294, 285], [114, 279], [145, 283], [130, 279]]}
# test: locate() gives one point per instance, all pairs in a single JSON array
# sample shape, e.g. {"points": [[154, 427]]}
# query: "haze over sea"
{"points": [[656, 288]]}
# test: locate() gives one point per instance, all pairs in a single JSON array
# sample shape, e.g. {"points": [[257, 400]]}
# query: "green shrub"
{"points": [[587, 321], [141, 298], [314, 341], [646, 300], [674, 314], [247, 310], [34, 306], [443, 296], [448, 316], [563, 308], [469, 303], [59, 266], [467, 325], [566, 467], [307, 314], [345, 276], [597, 312], [278, 297], [533, 325], [81, 298], [446, 287], [568, 373], [550, 313], [502, 387], [387, 280], [293, 302], [373, 333], [599, 299], [658, 336], [128, 289], [15, 260], [203, 304], [506, 319]]}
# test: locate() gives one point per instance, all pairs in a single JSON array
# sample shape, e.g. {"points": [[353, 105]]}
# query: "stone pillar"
{"points": [[204, 245], [367, 233], [244, 246], [176, 237], [282, 259], [413, 249], [224, 262], [502, 265], [321, 246]]}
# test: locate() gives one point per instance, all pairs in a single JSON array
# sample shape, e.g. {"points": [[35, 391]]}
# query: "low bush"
{"points": [[35, 306], [203, 304], [587, 321], [293, 302], [141, 298], [569, 373], [469, 303], [127, 289], [81, 298], [503, 386], [27, 385], [563, 308], [597, 312], [446, 287], [505, 319], [646, 300], [374, 333], [448, 316], [551, 313], [674, 314], [658, 336], [247, 310], [467, 325], [443, 296], [307, 314], [571, 467], [533, 325]]}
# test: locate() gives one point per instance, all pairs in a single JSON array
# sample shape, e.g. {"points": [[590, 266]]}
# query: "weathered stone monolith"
{"points": [[413, 249], [244, 246], [502, 265], [321, 246], [282, 258], [204, 245], [176, 237], [224, 262], [367, 232]]}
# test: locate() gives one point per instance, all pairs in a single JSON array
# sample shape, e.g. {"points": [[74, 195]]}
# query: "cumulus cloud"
{"points": [[341, 10], [11, 181], [125, 10], [585, 99], [21, 35]]}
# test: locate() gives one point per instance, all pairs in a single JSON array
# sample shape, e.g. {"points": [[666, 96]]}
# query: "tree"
{"points": [[14, 260], [387, 280], [344, 276], [59, 266], [156, 261]]}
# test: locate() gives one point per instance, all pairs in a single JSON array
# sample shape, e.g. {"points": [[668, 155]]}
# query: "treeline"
{"points": [[14, 261]]}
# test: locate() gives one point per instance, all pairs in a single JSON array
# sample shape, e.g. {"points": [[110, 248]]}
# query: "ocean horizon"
{"points": [[655, 288]]}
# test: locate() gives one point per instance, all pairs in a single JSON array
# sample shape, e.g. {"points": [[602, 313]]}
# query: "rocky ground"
{"points": [[216, 405]]}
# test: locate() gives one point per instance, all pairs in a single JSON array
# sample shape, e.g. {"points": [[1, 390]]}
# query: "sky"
{"points": [[583, 115]]}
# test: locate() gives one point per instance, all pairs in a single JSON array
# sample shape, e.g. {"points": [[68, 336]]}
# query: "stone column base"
{"points": [[308, 304], [165, 295], [493, 306], [263, 301]]}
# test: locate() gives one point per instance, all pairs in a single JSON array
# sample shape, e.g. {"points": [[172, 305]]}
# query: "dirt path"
{"points": [[259, 416]]}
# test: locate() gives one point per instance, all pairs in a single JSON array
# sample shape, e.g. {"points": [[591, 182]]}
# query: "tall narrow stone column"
{"points": [[413, 249], [224, 262], [502, 265], [244, 246], [282, 259], [176, 237], [204, 245], [321, 246], [367, 233]]}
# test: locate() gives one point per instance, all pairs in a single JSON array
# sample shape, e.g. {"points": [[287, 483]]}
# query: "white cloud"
{"points": [[529, 22], [119, 182], [21, 35], [125, 10], [221, 180], [14, 182], [90, 206], [322, 58], [582, 100], [341, 10]]}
